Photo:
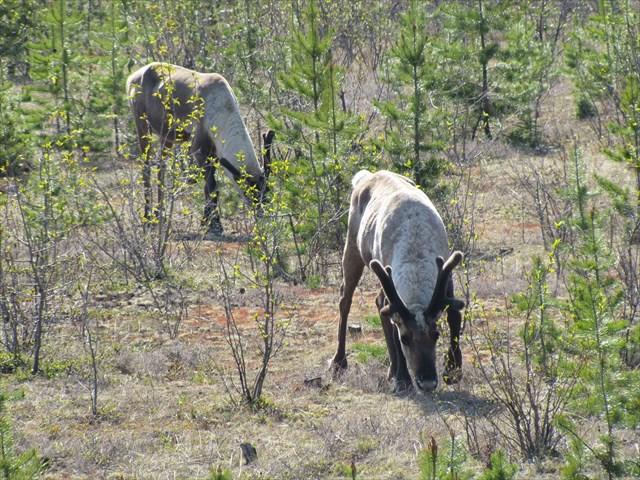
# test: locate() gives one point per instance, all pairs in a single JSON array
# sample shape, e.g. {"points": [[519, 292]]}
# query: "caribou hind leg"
{"points": [[144, 132]]}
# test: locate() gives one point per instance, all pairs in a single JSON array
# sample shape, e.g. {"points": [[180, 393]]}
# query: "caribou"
{"points": [[180, 105], [395, 229]]}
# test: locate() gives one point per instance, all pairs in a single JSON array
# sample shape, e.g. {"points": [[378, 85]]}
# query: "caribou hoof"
{"points": [[400, 386], [215, 229], [337, 366], [452, 376]]}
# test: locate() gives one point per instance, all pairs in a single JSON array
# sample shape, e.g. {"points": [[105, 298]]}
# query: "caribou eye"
{"points": [[405, 339]]}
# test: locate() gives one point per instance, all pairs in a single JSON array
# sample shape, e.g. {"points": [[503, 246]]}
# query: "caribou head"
{"points": [[417, 325]]}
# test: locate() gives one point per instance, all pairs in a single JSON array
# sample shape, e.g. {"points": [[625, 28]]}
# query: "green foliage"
{"points": [[499, 468], [366, 445], [448, 464], [596, 336], [602, 60], [540, 334], [220, 474], [415, 138], [39, 220], [78, 78], [323, 137], [107, 99], [373, 320], [13, 466], [10, 362], [16, 149], [573, 468], [585, 109], [16, 24], [52, 367], [597, 328], [367, 351], [343, 470], [528, 66], [471, 43], [452, 68]]}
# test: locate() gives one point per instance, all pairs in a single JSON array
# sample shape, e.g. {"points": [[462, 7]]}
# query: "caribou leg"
{"points": [[352, 268], [211, 212], [144, 132], [402, 380], [203, 152], [453, 361], [398, 373], [162, 173], [388, 335], [166, 144]]}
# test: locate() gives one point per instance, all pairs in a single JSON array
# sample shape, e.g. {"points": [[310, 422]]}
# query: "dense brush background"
{"points": [[140, 348]]}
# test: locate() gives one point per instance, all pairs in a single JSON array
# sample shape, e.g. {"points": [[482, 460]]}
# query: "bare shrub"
{"points": [[628, 268], [150, 253], [89, 332], [544, 195], [252, 352], [459, 215], [525, 377], [38, 254]]}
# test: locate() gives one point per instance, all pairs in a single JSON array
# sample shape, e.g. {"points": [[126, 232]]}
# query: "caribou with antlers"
{"points": [[180, 105], [395, 229]]}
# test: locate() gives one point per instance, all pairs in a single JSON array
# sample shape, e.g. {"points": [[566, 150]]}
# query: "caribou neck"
{"points": [[238, 149]]}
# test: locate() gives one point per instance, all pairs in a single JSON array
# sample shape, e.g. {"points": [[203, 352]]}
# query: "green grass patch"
{"points": [[55, 367], [365, 352], [9, 363], [343, 470], [49, 367], [373, 321], [313, 281], [366, 445]]}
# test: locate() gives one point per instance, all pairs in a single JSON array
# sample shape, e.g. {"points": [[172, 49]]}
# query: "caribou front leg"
{"points": [[352, 268], [211, 212], [203, 152], [453, 360], [398, 373]]}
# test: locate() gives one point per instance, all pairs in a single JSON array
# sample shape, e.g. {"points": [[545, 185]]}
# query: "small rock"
{"points": [[355, 329]]}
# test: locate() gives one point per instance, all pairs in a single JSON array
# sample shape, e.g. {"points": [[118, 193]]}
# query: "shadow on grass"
{"points": [[371, 379], [454, 402]]}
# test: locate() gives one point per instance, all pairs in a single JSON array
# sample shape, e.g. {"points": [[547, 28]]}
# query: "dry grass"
{"points": [[164, 409]]}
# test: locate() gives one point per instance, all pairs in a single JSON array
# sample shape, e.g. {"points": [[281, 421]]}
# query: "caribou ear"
{"points": [[388, 311]]}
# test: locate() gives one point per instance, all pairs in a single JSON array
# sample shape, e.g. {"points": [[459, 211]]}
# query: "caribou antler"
{"points": [[396, 305], [440, 300]]}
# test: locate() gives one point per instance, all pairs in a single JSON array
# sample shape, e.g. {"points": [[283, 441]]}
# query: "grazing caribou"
{"points": [[395, 229], [179, 105]]}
